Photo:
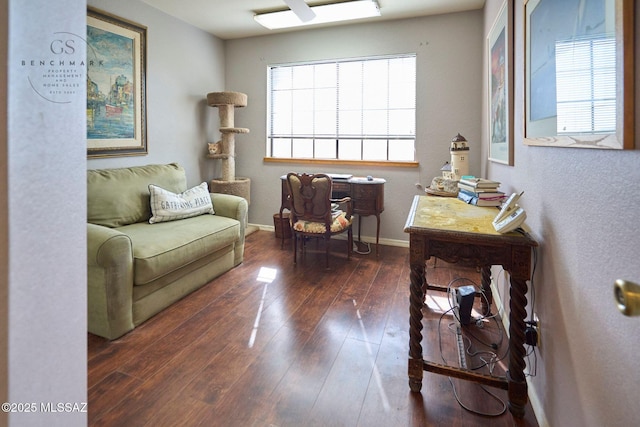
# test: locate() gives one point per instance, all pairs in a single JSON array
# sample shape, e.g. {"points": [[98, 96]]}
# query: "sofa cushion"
{"points": [[159, 249], [117, 197], [169, 206]]}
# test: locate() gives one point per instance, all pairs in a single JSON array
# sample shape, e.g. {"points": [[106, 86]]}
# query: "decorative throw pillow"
{"points": [[168, 206]]}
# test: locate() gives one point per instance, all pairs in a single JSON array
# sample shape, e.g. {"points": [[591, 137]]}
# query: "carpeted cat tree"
{"points": [[225, 148]]}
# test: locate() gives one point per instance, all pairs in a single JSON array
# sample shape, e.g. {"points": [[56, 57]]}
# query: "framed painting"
{"points": [[579, 73], [116, 91], [500, 86]]}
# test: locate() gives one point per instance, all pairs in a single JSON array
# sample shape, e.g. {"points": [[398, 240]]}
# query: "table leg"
{"points": [[515, 375], [282, 232], [377, 233], [416, 301], [487, 300]]}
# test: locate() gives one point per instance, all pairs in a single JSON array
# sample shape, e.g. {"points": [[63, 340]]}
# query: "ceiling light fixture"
{"points": [[334, 12]]}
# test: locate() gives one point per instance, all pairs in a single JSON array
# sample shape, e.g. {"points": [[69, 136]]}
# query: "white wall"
{"points": [[4, 211], [582, 206], [45, 216], [183, 65], [449, 57]]}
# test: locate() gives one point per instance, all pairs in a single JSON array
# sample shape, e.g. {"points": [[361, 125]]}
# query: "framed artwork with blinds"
{"points": [[579, 73], [359, 109]]}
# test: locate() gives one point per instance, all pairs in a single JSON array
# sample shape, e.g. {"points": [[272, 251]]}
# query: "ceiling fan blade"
{"points": [[301, 9]]}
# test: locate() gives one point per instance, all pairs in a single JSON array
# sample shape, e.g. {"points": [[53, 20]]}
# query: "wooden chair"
{"points": [[312, 214]]}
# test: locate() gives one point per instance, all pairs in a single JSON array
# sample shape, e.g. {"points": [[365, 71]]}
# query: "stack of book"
{"points": [[480, 192]]}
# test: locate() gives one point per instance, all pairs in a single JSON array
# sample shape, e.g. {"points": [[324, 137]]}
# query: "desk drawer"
{"points": [[342, 187], [368, 191], [364, 206]]}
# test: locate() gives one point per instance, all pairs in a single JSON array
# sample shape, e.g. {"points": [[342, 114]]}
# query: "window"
{"points": [[586, 85], [360, 109]]}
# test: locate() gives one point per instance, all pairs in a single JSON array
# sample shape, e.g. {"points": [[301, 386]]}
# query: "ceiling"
{"points": [[231, 19]]}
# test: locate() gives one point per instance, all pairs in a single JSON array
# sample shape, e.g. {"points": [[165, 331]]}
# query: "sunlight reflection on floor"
{"points": [[376, 372], [266, 275]]}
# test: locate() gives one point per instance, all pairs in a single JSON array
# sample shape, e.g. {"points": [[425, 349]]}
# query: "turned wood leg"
{"points": [[487, 300], [282, 226], [416, 300], [377, 234], [515, 375], [295, 248]]}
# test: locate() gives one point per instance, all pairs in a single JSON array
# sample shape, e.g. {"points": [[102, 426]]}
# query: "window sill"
{"points": [[381, 163]]}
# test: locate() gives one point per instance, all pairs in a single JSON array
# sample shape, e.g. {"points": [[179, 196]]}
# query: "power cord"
{"points": [[533, 367], [480, 319], [493, 357], [484, 414]]}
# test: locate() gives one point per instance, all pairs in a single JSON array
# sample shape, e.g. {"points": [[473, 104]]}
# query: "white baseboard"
{"points": [[368, 239]]}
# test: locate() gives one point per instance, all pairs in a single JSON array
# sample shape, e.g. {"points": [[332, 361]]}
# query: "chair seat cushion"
{"points": [[340, 223]]}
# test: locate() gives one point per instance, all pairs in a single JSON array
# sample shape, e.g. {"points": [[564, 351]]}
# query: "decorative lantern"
{"points": [[459, 157]]}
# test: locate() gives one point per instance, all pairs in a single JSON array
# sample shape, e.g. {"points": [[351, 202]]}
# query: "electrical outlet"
{"points": [[536, 319], [532, 331]]}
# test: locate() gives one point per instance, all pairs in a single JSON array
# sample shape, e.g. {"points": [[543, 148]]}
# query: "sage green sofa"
{"points": [[136, 269]]}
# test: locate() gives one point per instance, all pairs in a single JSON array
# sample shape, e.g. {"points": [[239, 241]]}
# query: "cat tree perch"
{"points": [[224, 149]]}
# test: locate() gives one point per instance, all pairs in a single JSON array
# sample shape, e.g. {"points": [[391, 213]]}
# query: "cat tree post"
{"points": [[226, 102]]}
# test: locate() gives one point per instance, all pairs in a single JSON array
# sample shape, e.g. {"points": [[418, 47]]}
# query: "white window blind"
{"points": [[360, 109], [586, 85]]}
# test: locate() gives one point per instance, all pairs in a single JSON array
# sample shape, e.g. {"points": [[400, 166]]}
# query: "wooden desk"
{"points": [[367, 198], [454, 231]]}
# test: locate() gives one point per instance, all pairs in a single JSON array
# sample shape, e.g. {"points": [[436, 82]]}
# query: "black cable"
{"points": [[534, 366], [476, 353], [533, 288], [455, 392], [494, 346]]}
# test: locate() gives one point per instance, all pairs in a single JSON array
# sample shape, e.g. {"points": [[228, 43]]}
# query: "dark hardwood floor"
{"points": [[273, 344]]}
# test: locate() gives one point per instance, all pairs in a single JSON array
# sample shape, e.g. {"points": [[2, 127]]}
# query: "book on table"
{"points": [[478, 201], [478, 182], [483, 194], [477, 190]]}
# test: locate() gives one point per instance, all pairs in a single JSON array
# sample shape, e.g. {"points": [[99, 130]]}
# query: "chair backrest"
{"points": [[310, 197]]}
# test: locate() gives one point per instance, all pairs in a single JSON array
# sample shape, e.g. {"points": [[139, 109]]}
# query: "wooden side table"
{"points": [[368, 199], [453, 231]]}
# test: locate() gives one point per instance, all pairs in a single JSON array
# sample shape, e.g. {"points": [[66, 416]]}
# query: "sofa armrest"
{"points": [[110, 282], [235, 207], [230, 206]]}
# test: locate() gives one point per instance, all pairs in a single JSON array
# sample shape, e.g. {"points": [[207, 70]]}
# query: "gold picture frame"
{"points": [[579, 74], [116, 86], [500, 86]]}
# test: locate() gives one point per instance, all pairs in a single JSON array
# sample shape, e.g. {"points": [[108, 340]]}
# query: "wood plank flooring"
{"points": [[273, 344]]}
